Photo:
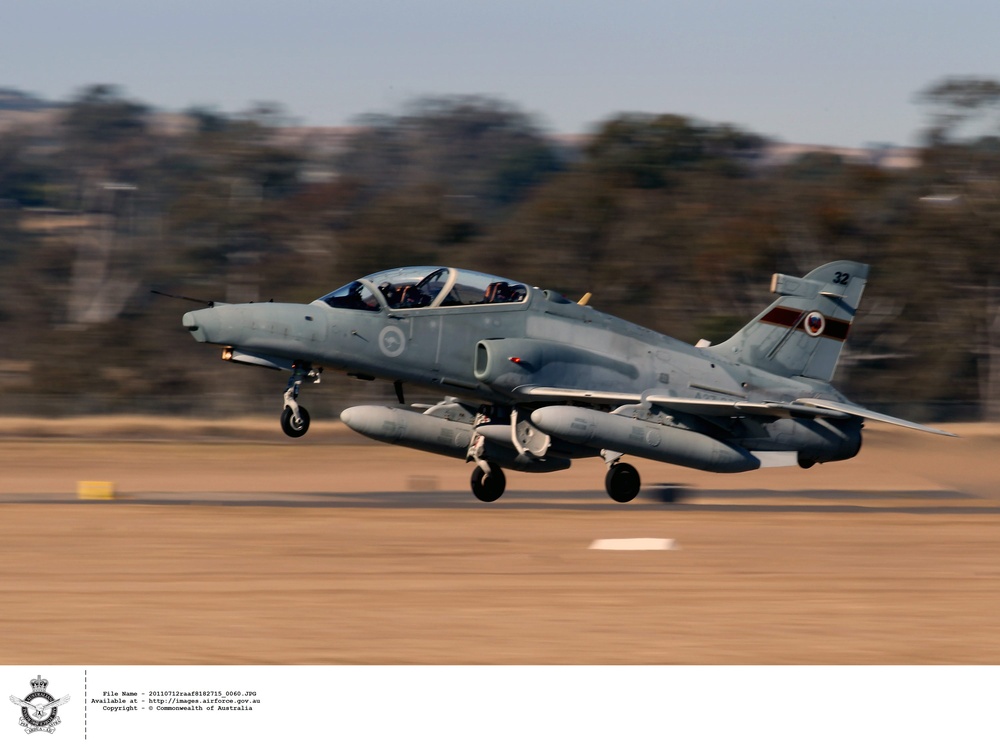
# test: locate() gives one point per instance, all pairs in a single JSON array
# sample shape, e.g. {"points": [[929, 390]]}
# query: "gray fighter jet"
{"points": [[532, 380]]}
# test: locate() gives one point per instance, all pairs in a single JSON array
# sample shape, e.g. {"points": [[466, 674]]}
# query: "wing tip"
{"points": [[865, 413]]}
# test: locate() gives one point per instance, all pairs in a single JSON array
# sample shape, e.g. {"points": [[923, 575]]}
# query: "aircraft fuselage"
{"points": [[556, 380]]}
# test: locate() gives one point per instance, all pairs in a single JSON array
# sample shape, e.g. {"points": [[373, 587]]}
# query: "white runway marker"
{"points": [[635, 543]]}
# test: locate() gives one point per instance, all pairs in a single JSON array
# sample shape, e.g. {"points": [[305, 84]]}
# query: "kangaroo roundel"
{"points": [[391, 341]]}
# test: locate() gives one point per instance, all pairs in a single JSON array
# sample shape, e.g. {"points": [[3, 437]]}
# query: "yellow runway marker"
{"points": [[95, 490]]}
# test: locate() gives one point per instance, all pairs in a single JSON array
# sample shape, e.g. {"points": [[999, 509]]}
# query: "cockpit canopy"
{"points": [[425, 286]]}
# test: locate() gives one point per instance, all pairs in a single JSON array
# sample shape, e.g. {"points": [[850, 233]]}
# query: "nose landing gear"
{"points": [[295, 421], [295, 418]]}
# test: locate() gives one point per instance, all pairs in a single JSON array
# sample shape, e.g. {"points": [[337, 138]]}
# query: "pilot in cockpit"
{"points": [[497, 292], [390, 293], [403, 295], [503, 292]]}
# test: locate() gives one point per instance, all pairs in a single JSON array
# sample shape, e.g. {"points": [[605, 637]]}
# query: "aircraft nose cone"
{"points": [[200, 323]]}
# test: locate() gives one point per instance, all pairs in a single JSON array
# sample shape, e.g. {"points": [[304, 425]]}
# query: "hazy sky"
{"points": [[810, 71]]}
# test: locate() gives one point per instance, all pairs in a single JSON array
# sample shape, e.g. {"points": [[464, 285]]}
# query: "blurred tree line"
{"points": [[671, 222]]}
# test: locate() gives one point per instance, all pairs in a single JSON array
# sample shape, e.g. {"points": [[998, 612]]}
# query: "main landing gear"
{"points": [[295, 418], [489, 482], [622, 481]]}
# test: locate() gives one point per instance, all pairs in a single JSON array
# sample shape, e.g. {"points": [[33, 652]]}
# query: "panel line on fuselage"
{"points": [[440, 330]]}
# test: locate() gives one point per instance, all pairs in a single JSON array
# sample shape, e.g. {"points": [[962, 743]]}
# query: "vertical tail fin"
{"points": [[803, 331]]}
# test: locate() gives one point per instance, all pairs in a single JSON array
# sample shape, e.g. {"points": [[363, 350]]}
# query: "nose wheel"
{"points": [[295, 418], [295, 423]]}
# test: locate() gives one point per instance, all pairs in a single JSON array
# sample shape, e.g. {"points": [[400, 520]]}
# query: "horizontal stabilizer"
{"points": [[793, 286], [854, 410]]}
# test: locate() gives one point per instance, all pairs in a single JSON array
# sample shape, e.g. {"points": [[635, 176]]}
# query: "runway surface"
{"points": [[223, 552], [658, 499]]}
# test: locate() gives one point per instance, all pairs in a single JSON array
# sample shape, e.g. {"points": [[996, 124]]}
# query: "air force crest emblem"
{"points": [[39, 710]]}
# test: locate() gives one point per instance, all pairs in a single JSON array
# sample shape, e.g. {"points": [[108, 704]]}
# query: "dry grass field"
{"points": [[891, 558]]}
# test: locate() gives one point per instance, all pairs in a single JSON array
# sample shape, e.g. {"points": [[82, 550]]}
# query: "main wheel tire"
{"points": [[622, 482], [292, 426], [488, 487]]}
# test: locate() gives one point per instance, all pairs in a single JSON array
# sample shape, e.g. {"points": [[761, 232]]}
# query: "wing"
{"points": [[727, 408], [700, 407], [855, 410], [696, 406], [18, 701], [61, 701]]}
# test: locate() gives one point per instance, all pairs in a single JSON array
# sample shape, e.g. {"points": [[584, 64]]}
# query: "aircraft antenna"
{"points": [[208, 303]]}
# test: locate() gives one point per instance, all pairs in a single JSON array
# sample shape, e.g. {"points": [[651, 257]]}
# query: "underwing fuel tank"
{"points": [[642, 439], [417, 430], [441, 436]]}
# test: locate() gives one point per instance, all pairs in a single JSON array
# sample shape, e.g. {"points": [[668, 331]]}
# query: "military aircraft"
{"points": [[532, 380]]}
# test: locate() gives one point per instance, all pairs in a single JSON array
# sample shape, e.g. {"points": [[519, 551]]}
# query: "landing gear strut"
{"points": [[488, 484], [295, 418]]}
